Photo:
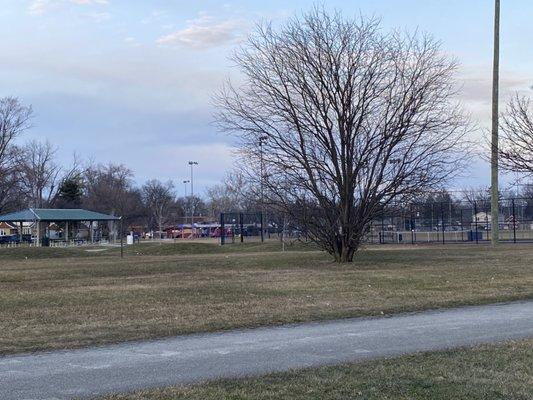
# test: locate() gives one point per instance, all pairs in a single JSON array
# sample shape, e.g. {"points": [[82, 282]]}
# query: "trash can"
{"points": [[45, 242], [475, 236]]}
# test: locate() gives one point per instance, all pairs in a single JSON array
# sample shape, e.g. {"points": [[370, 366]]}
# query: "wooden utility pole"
{"points": [[495, 228]]}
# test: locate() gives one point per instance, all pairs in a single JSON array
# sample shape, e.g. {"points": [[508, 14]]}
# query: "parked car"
{"points": [[9, 239]]}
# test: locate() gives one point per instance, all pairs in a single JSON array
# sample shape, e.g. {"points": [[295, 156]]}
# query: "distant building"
{"points": [[484, 220], [7, 229]]}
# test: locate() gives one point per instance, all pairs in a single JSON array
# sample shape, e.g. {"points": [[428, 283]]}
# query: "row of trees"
{"points": [[31, 176]]}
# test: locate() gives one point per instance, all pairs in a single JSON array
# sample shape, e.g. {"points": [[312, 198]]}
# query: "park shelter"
{"points": [[41, 217]]}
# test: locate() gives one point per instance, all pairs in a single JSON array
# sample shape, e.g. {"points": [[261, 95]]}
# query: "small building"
{"points": [[483, 220], [7, 229]]}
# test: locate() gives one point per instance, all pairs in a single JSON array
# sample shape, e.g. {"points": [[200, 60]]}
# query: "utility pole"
{"points": [[495, 228], [192, 164]]}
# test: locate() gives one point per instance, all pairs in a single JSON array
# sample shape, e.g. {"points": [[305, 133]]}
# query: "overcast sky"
{"points": [[130, 81]]}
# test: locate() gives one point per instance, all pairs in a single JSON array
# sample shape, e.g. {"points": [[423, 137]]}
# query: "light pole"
{"points": [[262, 139], [192, 164], [185, 182], [495, 228]]}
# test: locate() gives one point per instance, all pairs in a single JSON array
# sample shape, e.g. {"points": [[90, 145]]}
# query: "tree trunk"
{"points": [[345, 249]]}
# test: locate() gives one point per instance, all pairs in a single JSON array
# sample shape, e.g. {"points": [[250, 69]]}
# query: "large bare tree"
{"points": [[15, 119], [344, 119], [516, 142]]}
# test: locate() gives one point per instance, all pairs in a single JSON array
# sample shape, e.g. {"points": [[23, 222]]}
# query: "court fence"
{"points": [[409, 223], [452, 222]]}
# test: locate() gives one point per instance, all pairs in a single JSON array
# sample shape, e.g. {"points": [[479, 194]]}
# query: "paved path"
{"points": [[130, 366]]}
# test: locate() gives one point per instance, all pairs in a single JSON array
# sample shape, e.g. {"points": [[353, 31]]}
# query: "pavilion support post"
{"points": [[20, 231], [91, 231], [66, 232], [38, 235]]}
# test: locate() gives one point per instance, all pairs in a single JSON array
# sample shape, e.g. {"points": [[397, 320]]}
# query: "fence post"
{"points": [[475, 221], [241, 224], [262, 228], [462, 230], [382, 237], [442, 220], [222, 230], [514, 222], [412, 227]]}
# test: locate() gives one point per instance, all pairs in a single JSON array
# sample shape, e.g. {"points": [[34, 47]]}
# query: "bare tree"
{"points": [[195, 203], [38, 172], [68, 189], [232, 194], [109, 189], [14, 120], [158, 199], [345, 118], [516, 147], [479, 198]]}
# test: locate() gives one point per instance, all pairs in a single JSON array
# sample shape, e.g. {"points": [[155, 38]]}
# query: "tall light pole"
{"points": [[262, 139], [185, 182], [192, 164], [495, 228]]}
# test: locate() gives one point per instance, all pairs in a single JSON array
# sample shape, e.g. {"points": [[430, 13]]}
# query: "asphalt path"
{"points": [[185, 359]]}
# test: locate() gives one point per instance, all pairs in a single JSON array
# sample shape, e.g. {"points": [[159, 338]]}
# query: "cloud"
{"points": [[90, 2], [131, 41], [206, 32], [475, 89], [154, 16], [98, 16], [38, 7]]}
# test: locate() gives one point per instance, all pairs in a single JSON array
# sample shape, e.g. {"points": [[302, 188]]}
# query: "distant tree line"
{"points": [[31, 176]]}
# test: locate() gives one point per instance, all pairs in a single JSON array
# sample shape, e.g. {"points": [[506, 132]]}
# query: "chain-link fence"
{"points": [[442, 222], [239, 226], [452, 222]]}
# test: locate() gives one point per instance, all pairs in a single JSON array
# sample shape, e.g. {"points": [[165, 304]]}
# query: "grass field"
{"points": [[153, 249], [65, 298], [482, 373]]}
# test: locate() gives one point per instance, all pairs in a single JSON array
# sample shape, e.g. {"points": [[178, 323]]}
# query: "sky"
{"points": [[131, 81]]}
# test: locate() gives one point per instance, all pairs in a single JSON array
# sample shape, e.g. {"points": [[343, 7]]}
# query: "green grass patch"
{"points": [[149, 248]]}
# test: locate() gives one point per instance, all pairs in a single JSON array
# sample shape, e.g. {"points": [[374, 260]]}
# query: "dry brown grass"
{"points": [[72, 302]]}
